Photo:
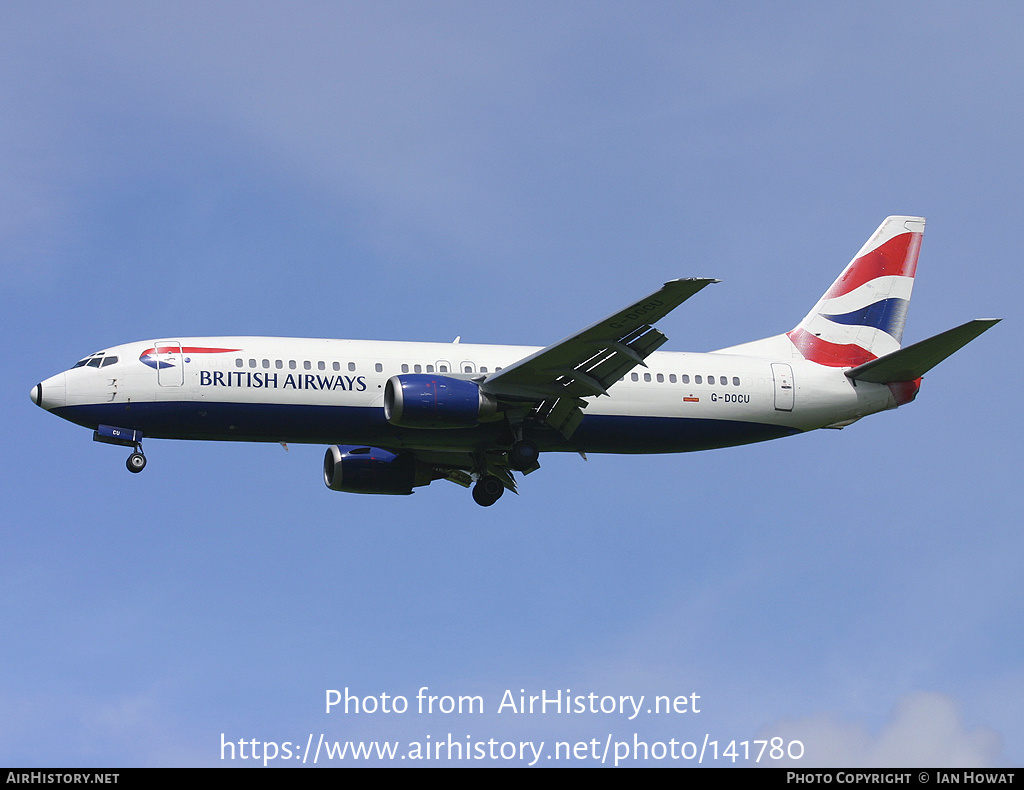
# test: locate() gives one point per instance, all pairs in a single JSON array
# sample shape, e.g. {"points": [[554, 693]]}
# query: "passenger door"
{"points": [[170, 363], [784, 390]]}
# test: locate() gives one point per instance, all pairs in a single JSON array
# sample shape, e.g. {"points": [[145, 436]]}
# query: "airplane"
{"points": [[399, 415]]}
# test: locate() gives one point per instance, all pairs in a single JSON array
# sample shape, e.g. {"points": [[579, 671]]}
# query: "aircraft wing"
{"points": [[587, 363]]}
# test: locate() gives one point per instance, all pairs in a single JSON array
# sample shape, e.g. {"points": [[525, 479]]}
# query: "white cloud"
{"points": [[924, 730]]}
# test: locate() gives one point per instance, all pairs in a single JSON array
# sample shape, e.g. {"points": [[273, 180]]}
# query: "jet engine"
{"points": [[423, 400], [370, 470]]}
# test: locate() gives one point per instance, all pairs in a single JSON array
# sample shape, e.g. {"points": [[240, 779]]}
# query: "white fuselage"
{"points": [[326, 391]]}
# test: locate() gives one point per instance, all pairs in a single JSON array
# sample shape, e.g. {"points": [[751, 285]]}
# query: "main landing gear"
{"points": [[488, 490], [523, 455], [136, 461], [492, 470]]}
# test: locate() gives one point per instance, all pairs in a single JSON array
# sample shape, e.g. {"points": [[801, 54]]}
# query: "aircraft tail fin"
{"points": [[861, 317]]}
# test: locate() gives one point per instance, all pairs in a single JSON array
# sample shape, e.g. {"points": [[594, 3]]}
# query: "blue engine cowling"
{"points": [[370, 470], [424, 400]]}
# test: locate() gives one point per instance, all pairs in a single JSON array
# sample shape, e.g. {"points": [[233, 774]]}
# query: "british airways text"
{"points": [[295, 381]]}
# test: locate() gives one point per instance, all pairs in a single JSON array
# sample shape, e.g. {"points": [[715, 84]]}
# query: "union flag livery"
{"points": [[167, 356], [861, 316], [400, 415]]}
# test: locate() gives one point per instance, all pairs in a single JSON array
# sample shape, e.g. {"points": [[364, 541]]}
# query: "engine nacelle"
{"points": [[424, 400], [370, 470]]}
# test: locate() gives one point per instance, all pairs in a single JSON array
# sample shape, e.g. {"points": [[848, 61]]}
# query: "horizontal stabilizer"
{"points": [[912, 362]]}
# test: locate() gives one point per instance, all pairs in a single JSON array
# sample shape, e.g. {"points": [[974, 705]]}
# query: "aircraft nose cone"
{"points": [[50, 394]]}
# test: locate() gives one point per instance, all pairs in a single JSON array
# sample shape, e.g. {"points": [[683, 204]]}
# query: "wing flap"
{"points": [[563, 414]]}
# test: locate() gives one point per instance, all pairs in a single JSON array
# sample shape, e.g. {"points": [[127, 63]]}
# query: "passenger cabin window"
{"points": [[405, 368], [351, 367], [378, 367]]}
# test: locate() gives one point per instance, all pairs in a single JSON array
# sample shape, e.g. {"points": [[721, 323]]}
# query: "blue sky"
{"points": [[509, 173]]}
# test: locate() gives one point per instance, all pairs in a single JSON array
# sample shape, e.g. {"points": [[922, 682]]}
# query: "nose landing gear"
{"points": [[124, 437]]}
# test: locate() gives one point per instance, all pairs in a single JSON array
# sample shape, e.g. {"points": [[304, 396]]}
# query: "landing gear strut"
{"points": [[488, 490]]}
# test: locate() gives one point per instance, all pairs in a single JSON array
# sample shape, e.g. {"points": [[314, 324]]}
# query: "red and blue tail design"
{"points": [[861, 316]]}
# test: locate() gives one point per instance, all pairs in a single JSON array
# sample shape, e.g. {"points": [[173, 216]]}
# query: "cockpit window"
{"points": [[96, 360]]}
